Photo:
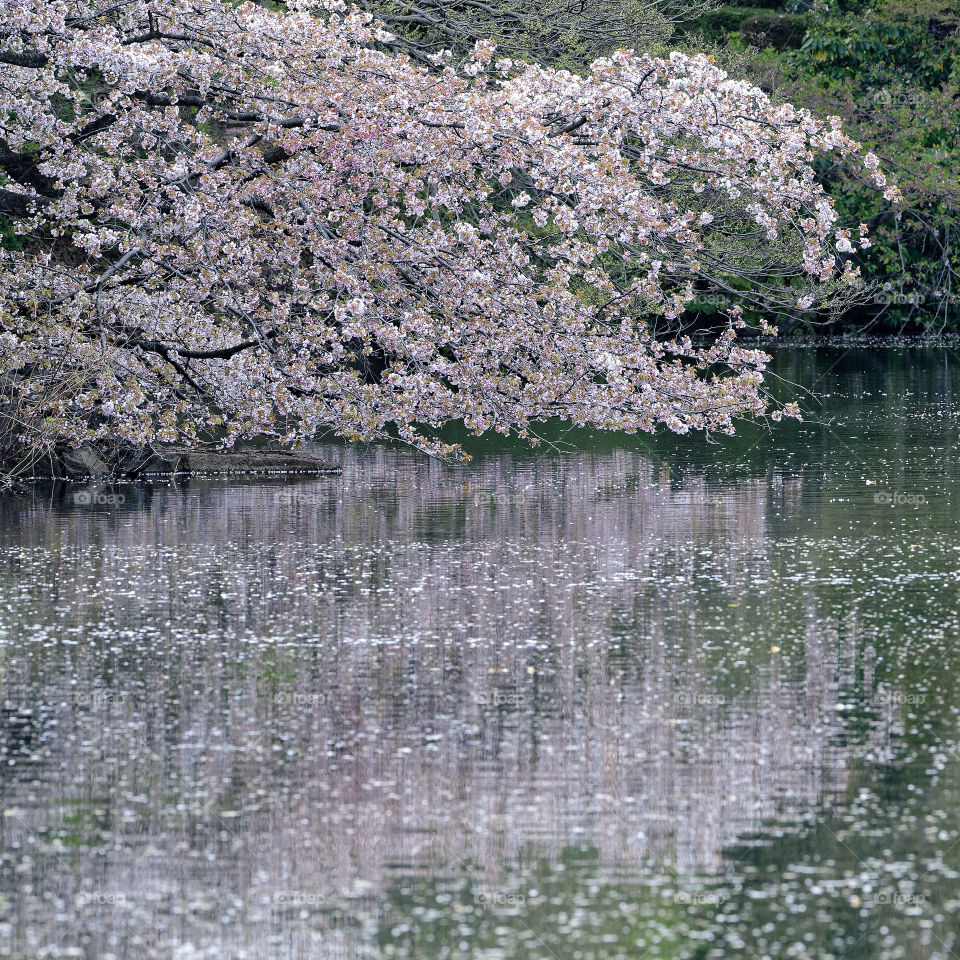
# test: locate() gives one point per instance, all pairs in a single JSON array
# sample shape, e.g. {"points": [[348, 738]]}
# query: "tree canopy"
{"points": [[226, 221]]}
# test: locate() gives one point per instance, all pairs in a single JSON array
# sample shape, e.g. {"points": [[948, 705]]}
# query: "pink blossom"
{"points": [[270, 226]]}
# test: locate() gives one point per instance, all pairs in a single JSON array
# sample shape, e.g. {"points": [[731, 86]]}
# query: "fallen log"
{"points": [[181, 460], [91, 462]]}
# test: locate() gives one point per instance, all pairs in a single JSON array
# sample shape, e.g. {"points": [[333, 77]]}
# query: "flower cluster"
{"points": [[239, 222]]}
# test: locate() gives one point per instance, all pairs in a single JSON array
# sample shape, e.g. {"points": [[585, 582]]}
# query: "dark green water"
{"points": [[633, 699]]}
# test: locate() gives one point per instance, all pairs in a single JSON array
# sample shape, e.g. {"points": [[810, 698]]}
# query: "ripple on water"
{"points": [[635, 699]]}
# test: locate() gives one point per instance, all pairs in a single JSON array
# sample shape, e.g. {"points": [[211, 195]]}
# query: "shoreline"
{"points": [[85, 465]]}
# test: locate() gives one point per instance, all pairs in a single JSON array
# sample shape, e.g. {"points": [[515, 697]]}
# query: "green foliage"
{"points": [[9, 239], [755, 25], [863, 48], [891, 70]]}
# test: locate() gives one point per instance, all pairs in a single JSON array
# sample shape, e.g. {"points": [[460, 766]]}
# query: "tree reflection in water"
{"points": [[263, 719]]}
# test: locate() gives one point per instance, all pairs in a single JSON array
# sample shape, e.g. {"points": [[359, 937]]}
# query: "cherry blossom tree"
{"points": [[230, 222]]}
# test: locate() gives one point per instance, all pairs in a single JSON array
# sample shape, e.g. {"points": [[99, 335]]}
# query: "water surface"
{"points": [[626, 698]]}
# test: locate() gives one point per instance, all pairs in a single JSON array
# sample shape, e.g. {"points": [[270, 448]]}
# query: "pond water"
{"points": [[625, 698]]}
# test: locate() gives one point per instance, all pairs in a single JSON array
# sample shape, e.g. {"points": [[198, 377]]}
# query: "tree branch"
{"points": [[24, 58], [20, 205]]}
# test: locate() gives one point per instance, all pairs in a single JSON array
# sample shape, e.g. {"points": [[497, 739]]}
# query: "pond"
{"points": [[617, 698]]}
